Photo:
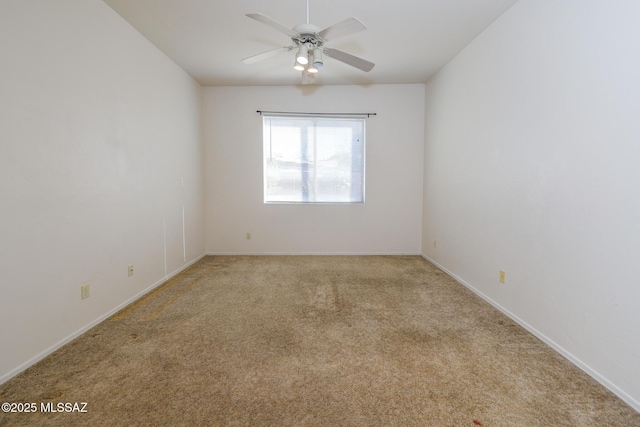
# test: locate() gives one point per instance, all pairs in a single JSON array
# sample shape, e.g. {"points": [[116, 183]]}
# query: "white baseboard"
{"points": [[6, 377], [557, 347]]}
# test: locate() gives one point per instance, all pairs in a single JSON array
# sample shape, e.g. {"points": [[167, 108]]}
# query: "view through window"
{"points": [[313, 159]]}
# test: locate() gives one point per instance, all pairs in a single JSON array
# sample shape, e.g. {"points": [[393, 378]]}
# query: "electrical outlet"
{"points": [[130, 270], [248, 236], [435, 243], [502, 276], [84, 291]]}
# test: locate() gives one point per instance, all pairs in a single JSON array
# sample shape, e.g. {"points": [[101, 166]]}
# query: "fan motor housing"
{"points": [[308, 34]]}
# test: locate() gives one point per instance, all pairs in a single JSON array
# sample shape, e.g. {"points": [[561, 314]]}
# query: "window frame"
{"points": [[315, 118]]}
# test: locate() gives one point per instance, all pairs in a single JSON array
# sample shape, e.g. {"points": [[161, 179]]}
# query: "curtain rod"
{"points": [[290, 113]]}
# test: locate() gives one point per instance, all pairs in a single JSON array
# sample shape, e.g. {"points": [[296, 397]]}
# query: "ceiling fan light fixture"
{"points": [[317, 58], [303, 55], [298, 66], [312, 69]]}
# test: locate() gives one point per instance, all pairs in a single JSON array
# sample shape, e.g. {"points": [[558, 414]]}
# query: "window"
{"points": [[313, 159]]}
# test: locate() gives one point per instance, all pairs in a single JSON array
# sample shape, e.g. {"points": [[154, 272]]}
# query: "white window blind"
{"points": [[313, 159]]}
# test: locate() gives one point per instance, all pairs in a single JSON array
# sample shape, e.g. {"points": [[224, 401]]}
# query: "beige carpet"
{"points": [[312, 341]]}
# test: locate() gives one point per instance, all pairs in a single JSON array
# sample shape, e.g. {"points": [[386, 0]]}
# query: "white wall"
{"points": [[100, 150], [388, 223], [531, 166]]}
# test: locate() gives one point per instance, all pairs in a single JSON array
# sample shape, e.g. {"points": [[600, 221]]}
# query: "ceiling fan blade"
{"points": [[268, 54], [343, 28], [273, 24], [349, 59]]}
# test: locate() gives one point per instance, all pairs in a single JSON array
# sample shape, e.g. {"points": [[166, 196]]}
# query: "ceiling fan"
{"points": [[309, 40]]}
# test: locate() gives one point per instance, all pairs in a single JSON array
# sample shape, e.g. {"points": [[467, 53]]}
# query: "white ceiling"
{"points": [[408, 40]]}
